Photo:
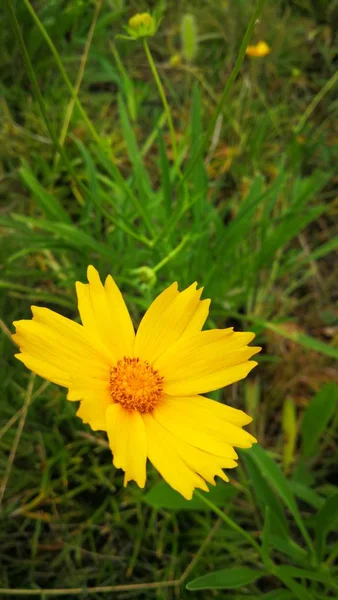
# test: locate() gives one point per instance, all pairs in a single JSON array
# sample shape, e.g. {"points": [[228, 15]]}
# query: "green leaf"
{"points": [[266, 497], [273, 474], [305, 493], [316, 418], [305, 574], [74, 236], [280, 594], [288, 547], [226, 579], [325, 521], [299, 591], [48, 202], [289, 424], [266, 536], [300, 338], [163, 496], [165, 172]]}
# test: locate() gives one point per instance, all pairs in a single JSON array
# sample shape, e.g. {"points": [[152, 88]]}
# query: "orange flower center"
{"points": [[136, 385]]}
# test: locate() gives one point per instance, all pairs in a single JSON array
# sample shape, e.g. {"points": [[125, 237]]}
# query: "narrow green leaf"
{"points": [[74, 236], [48, 203], [316, 418], [165, 175], [163, 496], [289, 424], [288, 547], [304, 492], [280, 594], [272, 473], [266, 497], [325, 521], [300, 338], [266, 536], [300, 592], [305, 574], [226, 579]]}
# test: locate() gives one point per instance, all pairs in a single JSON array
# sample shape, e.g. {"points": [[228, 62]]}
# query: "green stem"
{"points": [[163, 98], [58, 61], [307, 113], [228, 521], [31, 74], [237, 66]]}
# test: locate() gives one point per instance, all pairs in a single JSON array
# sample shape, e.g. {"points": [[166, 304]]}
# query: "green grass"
{"points": [[242, 200]]}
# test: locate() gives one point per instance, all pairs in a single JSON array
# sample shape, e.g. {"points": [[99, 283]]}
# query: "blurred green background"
{"points": [[251, 215]]}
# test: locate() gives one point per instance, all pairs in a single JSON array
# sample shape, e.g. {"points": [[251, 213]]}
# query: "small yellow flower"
{"points": [[144, 389], [141, 19], [258, 50], [141, 25]]}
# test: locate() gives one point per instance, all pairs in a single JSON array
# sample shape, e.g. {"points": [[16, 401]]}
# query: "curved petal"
{"points": [[201, 428], [59, 349], [219, 410], [128, 442], [206, 361], [171, 316], [44, 369], [104, 314], [163, 455], [92, 410], [205, 464]]}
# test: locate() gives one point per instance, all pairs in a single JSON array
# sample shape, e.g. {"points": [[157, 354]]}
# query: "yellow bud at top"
{"points": [[140, 19], [258, 50], [141, 25]]}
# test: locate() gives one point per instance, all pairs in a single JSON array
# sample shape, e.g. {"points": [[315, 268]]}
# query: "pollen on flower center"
{"points": [[135, 384]]}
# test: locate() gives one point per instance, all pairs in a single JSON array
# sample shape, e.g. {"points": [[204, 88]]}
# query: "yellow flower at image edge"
{"points": [[258, 50], [144, 389]]}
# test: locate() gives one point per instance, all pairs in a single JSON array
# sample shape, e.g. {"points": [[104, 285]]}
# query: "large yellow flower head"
{"points": [[144, 389]]}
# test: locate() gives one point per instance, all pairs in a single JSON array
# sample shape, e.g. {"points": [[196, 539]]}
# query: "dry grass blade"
{"points": [[17, 438]]}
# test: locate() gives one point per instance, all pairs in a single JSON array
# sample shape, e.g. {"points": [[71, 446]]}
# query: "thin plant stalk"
{"points": [[163, 98], [65, 77], [237, 66]]}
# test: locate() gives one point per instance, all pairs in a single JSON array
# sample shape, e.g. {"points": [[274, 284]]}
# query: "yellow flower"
{"points": [[140, 19], [141, 25], [258, 50], [144, 389]]}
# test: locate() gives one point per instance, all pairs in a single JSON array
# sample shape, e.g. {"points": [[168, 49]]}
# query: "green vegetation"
{"points": [[155, 162]]}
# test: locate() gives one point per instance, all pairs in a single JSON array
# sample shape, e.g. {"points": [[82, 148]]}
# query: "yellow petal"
{"points": [[198, 319], [93, 411], [167, 319], [104, 314], [44, 369], [205, 464], [83, 388], [61, 345], [128, 442], [219, 410], [88, 319], [180, 414], [165, 458], [192, 431], [206, 361]]}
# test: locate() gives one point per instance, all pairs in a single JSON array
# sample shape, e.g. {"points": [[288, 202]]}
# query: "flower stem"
{"points": [[62, 70], [229, 521], [37, 92], [237, 66], [163, 98]]}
